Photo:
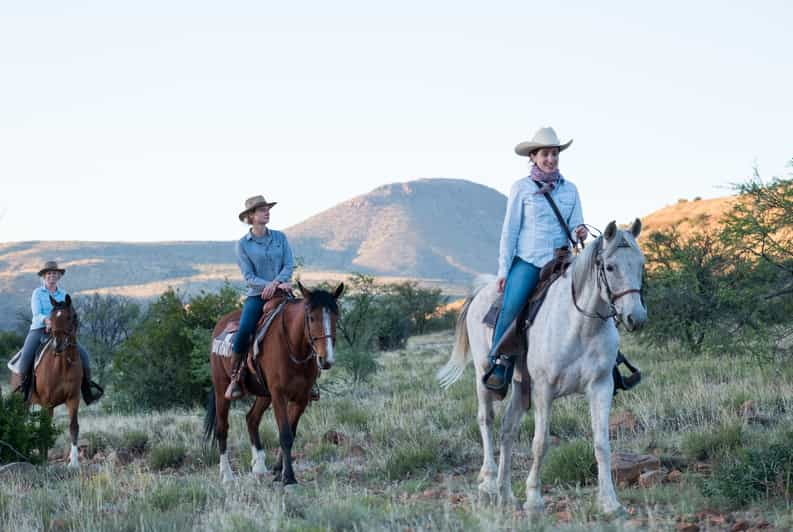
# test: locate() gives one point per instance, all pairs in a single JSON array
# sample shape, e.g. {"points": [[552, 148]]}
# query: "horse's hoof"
{"points": [[290, 483], [488, 487]]}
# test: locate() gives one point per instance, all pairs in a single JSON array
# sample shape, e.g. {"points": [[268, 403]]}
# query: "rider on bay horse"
{"points": [[265, 260], [41, 307]]}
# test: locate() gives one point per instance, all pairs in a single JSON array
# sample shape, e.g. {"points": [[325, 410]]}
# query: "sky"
{"points": [[148, 121]]}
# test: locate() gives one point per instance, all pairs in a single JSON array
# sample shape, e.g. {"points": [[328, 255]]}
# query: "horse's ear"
{"points": [[339, 291], [636, 228], [52, 301], [611, 230], [68, 300], [303, 290]]}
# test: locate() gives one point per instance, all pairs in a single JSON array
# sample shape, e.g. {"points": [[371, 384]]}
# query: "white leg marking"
{"points": [[74, 463], [226, 474], [257, 461]]}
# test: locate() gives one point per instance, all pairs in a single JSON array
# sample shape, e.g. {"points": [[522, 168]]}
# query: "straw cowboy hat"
{"points": [[51, 266], [252, 203], [545, 137]]}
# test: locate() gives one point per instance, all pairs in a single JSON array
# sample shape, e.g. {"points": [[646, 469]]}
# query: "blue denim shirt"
{"points": [[531, 230], [264, 259], [41, 307]]}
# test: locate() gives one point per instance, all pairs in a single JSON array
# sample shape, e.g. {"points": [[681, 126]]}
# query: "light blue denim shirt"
{"points": [[531, 230], [264, 259], [41, 307]]}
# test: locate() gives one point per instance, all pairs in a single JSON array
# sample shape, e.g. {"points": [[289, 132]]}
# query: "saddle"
{"points": [[254, 380]]}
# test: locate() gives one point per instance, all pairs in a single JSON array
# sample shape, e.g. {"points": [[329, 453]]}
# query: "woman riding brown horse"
{"points": [[60, 372], [300, 341]]}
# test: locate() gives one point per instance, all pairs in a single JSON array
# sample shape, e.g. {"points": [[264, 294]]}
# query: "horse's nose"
{"points": [[326, 364], [634, 322]]}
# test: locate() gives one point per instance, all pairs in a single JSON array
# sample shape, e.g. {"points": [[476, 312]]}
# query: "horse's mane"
{"points": [[322, 299]]}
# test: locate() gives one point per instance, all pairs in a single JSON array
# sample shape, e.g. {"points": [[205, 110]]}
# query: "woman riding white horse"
{"points": [[572, 348], [530, 234]]}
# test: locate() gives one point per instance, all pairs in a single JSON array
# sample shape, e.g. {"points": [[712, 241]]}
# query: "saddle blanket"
{"points": [[15, 363], [223, 344]]}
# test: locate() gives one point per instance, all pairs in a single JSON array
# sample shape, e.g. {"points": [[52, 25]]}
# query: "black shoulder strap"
{"points": [[558, 214]]}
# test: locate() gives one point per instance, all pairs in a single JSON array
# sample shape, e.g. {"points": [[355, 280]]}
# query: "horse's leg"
{"points": [[542, 423], [600, 395], [509, 426], [73, 405], [285, 436], [254, 419], [222, 406], [485, 416]]}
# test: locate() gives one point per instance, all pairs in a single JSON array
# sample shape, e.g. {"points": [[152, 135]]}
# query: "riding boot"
{"points": [[234, 390], [26, 386], [90, 391], [502, 361]]}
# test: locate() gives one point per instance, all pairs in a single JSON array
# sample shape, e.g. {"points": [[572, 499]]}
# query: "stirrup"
{"points": [[508, 363], [625, 383]]}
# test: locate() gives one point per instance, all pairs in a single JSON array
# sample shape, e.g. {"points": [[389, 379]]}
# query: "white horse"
{"points": [[573, 347]]}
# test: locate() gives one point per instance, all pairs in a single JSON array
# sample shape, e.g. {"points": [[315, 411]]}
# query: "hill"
{"points": [[439, 231]]}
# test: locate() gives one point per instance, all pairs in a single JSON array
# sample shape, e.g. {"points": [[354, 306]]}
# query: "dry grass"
{"points": [[408, 459]]}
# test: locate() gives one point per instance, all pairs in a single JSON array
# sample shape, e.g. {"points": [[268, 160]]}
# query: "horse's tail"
{"points": [[209, 419]]}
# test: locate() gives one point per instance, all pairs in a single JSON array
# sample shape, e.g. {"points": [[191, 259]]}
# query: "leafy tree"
{"points": [[731, 289], [106, 321], [165, 362]]}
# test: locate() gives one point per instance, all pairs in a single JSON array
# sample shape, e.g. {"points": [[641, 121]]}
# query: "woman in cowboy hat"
{"points": [[41, 307], [265, 260], [530, 234]]}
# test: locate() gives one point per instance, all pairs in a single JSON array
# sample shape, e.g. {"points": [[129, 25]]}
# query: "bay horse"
{"points": [[573, 345], [299, 343], [60, 372]]}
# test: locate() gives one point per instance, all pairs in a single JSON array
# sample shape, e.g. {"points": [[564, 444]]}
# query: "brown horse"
{"points": [[298, 344], [60, 372]]}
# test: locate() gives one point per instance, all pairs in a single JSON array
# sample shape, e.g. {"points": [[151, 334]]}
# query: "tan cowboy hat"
{"points": [[51, 266], [252, 203], [545, 137]]}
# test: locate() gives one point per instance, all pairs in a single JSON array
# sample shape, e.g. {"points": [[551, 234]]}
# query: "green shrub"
{"points": [[572, 462], [99, 441], [169, 350], [167, 456], [713, 442], [764, 470], [25, 435], [408, 459], [134, 441]]}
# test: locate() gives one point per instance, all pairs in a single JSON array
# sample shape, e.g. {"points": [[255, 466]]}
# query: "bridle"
{"points": [[71, 335], [612, 297], [311, 338]]}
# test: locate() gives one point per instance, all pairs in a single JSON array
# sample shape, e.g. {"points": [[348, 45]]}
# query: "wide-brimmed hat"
{"points": [[545, 137], [51, 266], [252, 203]]}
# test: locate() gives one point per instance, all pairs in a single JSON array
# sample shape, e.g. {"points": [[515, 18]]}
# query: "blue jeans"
{"points": [[32, 342], [521, 282], [251, 312]]}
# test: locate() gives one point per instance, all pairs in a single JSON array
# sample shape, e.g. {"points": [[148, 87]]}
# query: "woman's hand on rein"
{"points": [[269, 290], [581, 232], [502, 282]]}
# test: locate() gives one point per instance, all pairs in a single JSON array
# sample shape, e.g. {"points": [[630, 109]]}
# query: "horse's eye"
{"points": [[609, 268]]}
